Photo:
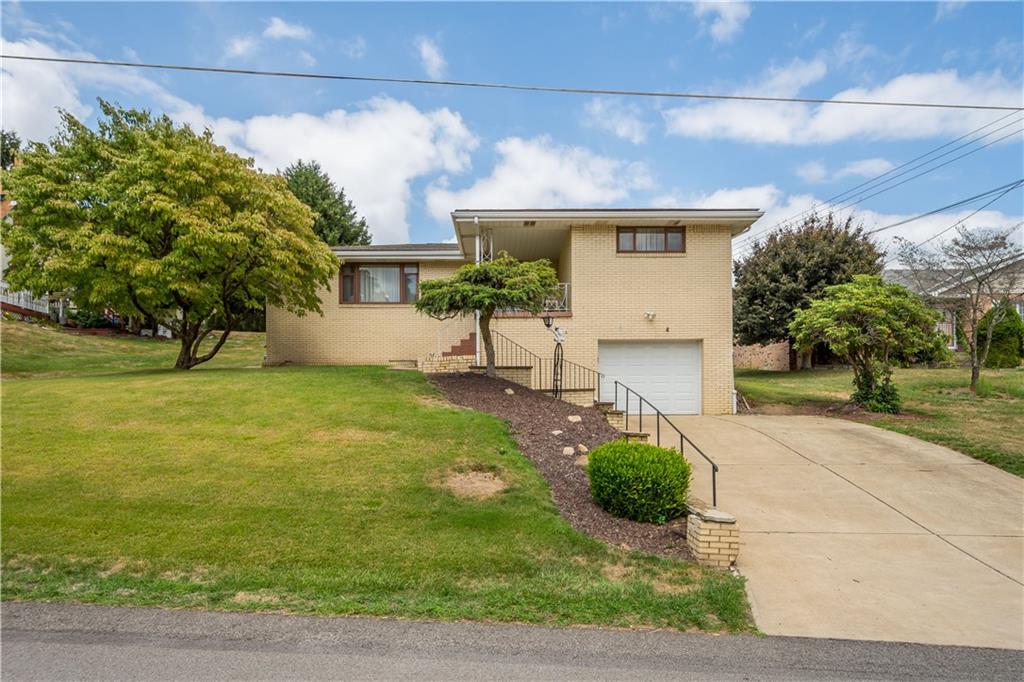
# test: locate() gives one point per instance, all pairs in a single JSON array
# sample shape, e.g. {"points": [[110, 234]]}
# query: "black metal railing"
{"points": [[574, 377], [658, 416]]}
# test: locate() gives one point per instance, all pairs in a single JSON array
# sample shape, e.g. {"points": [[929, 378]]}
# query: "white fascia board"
{"points": [[369, 255], [739, 219]]}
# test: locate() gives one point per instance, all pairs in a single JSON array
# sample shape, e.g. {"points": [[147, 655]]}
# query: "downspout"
{"points": [[476, 313]]}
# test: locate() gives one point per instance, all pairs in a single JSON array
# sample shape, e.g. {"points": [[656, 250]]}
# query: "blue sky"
{"points": [[407, 155]]}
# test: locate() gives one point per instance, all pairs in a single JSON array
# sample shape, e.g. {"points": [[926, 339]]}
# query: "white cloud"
{"points": [[812, 172], [850, 49], [431, 57], [240, 46], [618, 118], [375, 151], [34, 91], [539, 173], [354, 48], [815, 172], [306, 58], [948, 8], [779, 206], [814, 31], [727, 18], [795, 123], [131, 54], [277, 29], [865, 168]]}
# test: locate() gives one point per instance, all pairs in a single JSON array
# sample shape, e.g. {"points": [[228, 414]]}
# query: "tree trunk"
{"points": [[975, 375], [485, 332], [192, 338], [188, 337]]}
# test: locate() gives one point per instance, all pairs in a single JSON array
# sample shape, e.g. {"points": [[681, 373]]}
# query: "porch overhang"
{"points": [[468, 223]]}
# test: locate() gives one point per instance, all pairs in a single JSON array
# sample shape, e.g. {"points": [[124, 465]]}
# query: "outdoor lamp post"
{"points": [[556, 365]]}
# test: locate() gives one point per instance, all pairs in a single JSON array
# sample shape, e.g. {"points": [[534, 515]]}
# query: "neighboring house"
{"points": [[645, 298], [944, 293], [19, 302]]}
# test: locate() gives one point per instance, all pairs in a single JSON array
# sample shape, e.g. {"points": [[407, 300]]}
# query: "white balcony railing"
{"points": [[561, 301], [24, 299]]}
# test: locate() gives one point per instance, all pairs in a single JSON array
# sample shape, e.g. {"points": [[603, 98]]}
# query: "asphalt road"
{"points": [[81, 642]]}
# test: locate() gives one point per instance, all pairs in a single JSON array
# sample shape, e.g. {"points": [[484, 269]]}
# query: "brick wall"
{"points": [[690, 293], [354, 334], [773, 357]]}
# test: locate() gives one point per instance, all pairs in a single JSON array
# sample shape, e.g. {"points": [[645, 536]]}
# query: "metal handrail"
{"points": [[574, 376], [659, 416]]}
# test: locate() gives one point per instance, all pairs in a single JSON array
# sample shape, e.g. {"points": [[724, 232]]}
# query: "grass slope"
{"points": [[306, 489], [938, 407]]}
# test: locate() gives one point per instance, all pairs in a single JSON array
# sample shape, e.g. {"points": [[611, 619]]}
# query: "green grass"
{"points": [[937, 406], [303, 489]]}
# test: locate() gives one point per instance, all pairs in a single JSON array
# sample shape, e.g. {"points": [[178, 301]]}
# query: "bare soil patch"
{"points": [[476, 485], [532, 418]]}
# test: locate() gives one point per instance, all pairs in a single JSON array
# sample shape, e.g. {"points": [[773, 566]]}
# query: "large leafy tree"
{"points": [[868, 323], [488, 286], [151, 219], [336, 219], [784, 272]]}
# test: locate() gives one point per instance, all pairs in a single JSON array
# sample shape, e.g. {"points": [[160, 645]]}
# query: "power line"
{"points": [[845, 194], [1009, 186], [505, 86], [905, 181], [965, 219], [1001, 191]]}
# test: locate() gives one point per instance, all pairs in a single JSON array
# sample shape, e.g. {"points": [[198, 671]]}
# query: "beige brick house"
{"points": [[645, 298]]}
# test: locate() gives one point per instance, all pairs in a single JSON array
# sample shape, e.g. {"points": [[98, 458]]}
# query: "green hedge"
{"points": [[639, 481], [1007, 339]]}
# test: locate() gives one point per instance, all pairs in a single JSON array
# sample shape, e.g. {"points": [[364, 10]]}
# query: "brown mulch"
{"points": [[531, 417]]}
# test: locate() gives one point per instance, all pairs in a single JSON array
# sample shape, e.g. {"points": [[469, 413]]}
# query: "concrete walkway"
{"points": [[853, 532]]}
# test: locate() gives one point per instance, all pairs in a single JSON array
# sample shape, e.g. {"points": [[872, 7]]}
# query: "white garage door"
{"points": [[666, 373]]}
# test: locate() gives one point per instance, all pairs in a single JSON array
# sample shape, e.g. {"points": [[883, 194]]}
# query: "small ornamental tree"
{"points": [[150, 219], [867, 323], [488, 286]]}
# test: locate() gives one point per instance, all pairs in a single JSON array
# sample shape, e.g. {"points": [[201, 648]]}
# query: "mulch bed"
{"points": [[532, 416]]}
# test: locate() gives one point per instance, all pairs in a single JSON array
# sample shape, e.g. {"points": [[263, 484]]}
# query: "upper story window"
{"points": [[651, 240], [379, 283]]}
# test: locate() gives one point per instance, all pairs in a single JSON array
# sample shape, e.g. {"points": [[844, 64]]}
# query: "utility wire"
{"points": [[906, 180], [842, 196], [965, 219], [1009, 186], [1001, 191], [504, 86]]}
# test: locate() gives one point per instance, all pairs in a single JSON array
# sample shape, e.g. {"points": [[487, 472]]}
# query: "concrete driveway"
{"points": [[850, 531]]}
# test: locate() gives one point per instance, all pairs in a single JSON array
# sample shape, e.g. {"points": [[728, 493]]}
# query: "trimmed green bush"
{"points": [[639, 481], [1007, 339]]}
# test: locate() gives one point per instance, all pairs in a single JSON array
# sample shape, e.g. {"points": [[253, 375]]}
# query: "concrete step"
{"points": [[636, 436], [604, 406]]}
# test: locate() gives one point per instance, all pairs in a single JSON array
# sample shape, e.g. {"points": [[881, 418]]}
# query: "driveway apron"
{"points": [[850, 531]]}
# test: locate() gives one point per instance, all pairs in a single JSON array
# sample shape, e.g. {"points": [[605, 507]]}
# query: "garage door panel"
{"points": [[666, 373]]}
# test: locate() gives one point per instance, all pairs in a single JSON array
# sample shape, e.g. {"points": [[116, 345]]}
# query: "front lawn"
{"points": [[937, 404], [306, 489]]}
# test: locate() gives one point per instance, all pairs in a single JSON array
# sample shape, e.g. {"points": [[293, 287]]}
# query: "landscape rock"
{"points": [[582, 461], [575, 418], [510, 391], [556, 432], [567, 450], [582, 449]]}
